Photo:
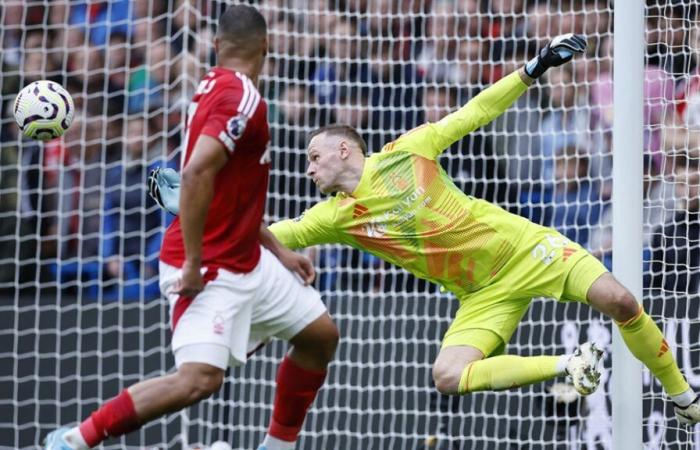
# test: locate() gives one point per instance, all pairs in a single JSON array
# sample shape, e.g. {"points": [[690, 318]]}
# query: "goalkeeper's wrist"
{"points": [[534, 68]]}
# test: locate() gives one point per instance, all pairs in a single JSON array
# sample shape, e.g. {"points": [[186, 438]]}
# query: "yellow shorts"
{"points": [[546, 264]]}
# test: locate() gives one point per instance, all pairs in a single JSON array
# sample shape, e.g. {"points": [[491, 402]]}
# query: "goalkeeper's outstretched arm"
{"points": [[431, 139]]}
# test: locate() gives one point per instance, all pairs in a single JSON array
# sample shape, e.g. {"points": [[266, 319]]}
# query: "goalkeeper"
{"points": [[400, 205]]}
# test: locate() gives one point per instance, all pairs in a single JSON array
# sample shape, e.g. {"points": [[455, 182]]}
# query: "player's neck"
{"points": [[353, 175], [246, 67]]}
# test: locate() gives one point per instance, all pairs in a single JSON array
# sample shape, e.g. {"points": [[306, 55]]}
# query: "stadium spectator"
{"points": [[659, 91], [99, 19], [682, 130], [392, 87], [658, 204], [516, 137], [675, 246], [505, 27], [131, 226], [117, 70], [445, 33], [668, 25], [341, 66], [247, 291], [540, 23], [86, 68], [35, 64], [567, 123], [467, 73], [576, 201], [13, 13], [148, 83]]}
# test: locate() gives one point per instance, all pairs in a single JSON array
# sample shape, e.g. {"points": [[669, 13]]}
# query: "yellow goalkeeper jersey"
{"points": [[406, 209]]}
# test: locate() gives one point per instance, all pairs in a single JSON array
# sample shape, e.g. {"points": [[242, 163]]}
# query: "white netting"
{"points": [[80, 317]]}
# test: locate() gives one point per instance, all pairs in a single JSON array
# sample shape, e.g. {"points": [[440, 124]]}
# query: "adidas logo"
{"points": [[568, 251], [359, 210], [663, 348]]}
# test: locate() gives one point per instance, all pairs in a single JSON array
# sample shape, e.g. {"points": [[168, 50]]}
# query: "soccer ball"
{"points": [[43, 110]]}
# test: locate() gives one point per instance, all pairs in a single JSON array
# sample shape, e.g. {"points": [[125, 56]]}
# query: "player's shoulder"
{"points": [[405, 140]]}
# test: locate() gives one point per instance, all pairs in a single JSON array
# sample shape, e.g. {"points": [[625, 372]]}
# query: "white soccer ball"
{"points": [[43, 110], [220, 445]]}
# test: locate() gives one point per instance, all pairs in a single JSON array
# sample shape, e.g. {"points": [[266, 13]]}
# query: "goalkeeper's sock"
{"points": [[509, 371], [646, 342], [114, 418], [296, 390]]}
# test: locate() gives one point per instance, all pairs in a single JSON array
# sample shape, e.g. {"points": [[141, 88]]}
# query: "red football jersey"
{"points": [[227, 106]]}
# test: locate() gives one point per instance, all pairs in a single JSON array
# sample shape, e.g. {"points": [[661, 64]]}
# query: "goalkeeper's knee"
{"points": [[447, 374]]}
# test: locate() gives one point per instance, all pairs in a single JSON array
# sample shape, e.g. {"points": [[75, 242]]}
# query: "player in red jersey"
{"points": [[231, 285]]}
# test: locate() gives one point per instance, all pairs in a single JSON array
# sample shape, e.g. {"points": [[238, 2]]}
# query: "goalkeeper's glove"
{"points": [[164, 188], [557, 52]]}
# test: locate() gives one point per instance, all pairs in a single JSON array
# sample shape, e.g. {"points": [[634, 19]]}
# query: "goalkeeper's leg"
{"points": [[646, 342], [461, 369]]}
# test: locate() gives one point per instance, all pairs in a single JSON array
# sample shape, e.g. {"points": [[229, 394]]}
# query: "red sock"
{"points": [[296, 390], [114, 418]]}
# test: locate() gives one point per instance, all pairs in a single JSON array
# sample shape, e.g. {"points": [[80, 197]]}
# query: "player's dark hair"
{"points": [[240, 25], [344, 131]]}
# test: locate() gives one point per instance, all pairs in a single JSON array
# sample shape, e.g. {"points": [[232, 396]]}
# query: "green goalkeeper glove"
{"points": [[164, 188], [557, 52]]}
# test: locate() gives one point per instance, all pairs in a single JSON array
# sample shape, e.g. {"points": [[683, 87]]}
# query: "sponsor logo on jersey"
{"points": [[375, 229]]}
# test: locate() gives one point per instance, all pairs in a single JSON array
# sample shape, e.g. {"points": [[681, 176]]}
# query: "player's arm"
{"points": [[299, 264], [314, 226], [196, 192], [431, 139]]}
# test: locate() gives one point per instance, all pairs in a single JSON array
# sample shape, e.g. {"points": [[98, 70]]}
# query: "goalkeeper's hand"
{"points": [[164, 188], [557, 52]]}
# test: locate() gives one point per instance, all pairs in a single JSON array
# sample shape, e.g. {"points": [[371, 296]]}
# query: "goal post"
{"points": [[628, 132]]}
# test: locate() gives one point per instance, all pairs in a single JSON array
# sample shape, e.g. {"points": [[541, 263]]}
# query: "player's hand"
{"points": [[164, 188], [300, 265], [191, 282], [557, 52]]}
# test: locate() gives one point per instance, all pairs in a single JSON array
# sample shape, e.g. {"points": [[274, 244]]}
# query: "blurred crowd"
{"points": [[75, 210]]}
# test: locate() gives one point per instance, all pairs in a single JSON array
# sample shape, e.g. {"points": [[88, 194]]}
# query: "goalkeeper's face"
{"points": [[328, 157]]}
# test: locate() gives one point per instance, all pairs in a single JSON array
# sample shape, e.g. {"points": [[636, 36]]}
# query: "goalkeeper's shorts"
{"points": [[546, 264], [237, 312]]}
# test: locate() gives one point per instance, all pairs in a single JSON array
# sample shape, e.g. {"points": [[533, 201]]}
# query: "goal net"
{"points": [[80, 313]]}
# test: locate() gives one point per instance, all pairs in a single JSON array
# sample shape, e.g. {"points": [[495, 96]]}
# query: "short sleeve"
{"points": [[229, 116]]}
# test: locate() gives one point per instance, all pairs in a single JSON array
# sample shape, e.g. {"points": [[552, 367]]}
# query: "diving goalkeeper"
{"points": [[400, 205]]}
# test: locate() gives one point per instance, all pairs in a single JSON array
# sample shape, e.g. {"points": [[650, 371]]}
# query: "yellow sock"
{"points": [[646, 342], [508, 371]]}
